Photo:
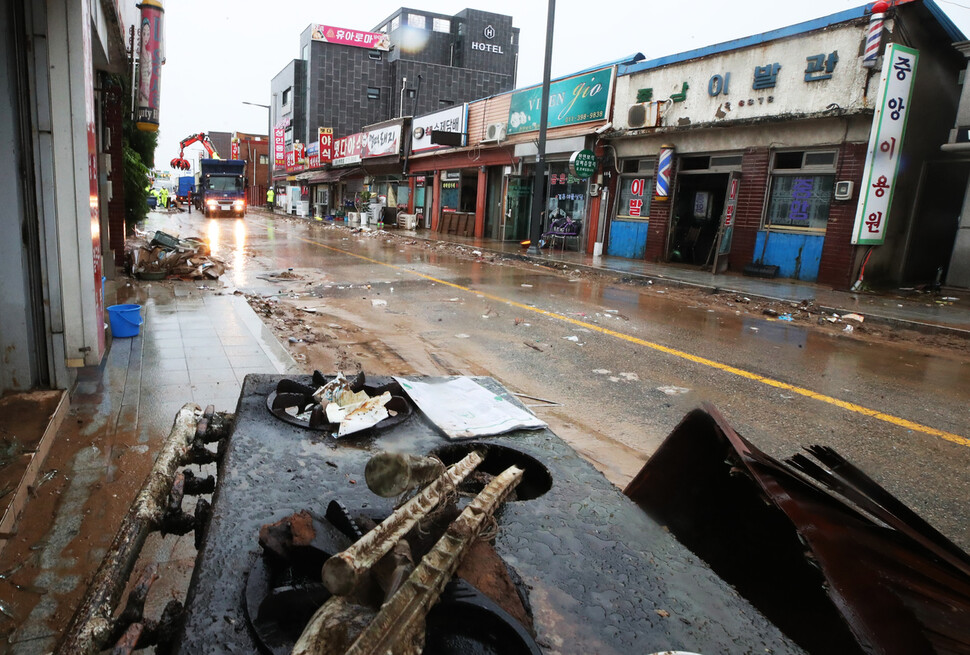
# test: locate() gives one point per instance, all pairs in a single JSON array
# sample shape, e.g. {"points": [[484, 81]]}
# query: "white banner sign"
{"points": [[885, 145], [447, 120], [383, 141]]}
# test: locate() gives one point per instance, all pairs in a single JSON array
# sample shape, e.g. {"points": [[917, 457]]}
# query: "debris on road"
{"points": [[673, 391], [162, 255]]}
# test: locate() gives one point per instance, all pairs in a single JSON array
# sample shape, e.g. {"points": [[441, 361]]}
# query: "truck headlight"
{"points": [[211, 203]]}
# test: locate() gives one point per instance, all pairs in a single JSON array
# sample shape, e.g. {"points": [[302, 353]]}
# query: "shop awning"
{"points": [[333, 175]]}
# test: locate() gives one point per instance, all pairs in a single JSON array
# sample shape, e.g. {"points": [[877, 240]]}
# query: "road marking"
{"points": [[778, 384]]}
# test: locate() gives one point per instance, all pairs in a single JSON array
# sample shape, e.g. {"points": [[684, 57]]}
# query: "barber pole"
{"points": [[874, 35], [664, 167]]}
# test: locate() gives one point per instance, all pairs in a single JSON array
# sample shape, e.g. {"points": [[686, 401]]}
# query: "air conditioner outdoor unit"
{"points": [[643, 114], [495, 132]]}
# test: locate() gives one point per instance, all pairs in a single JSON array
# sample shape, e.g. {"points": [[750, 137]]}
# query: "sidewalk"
{"points": [[195, 346], [921, 312]]}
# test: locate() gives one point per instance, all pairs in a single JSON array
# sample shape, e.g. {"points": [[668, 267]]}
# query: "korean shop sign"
{"points": [[447, 120], [344, 36], [383, 141], [348, 149], [885, 145], [574, 100], [582, 163]]}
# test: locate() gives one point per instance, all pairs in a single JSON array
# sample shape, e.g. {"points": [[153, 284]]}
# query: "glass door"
{"points": [[518, 205]]}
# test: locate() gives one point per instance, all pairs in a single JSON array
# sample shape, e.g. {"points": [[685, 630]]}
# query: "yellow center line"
{"points": [[808, 393]]}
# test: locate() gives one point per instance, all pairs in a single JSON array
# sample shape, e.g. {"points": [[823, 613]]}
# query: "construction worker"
{"points": [[164, 197], [270, 198]]}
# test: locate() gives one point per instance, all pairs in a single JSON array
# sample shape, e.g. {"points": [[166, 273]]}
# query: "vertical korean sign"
{"points": [[885, 145], [279, 147], [93, 198], [234, 149], [325, 139]]}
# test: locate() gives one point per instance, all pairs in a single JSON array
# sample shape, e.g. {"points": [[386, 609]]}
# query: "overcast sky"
{"points": [[220, 52]]}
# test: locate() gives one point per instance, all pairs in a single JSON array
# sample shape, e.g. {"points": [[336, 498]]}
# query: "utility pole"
{"points": [[539, 183], [269, 144]]}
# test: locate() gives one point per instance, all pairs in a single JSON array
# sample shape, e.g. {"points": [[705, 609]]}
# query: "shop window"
{"points": [[636, 188], [694, 163], [263, 159], [441, 25], [801, 189], [567, 194], [373, 93]]}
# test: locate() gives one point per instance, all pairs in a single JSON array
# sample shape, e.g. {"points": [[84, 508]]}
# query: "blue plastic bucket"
{"points": [[125, 320]]}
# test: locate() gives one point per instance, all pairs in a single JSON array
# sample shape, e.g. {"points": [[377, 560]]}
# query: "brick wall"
{"points": [[659, 221], [838, 254], [751, 197]]}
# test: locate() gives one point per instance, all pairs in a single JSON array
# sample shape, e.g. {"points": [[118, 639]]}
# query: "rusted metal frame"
{"points": [[398, 628], [342, 571], [92, 623]]}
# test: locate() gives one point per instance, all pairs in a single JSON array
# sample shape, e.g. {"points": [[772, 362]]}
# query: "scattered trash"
{"points": [[377, 302], [477, 253], [848, 329], [533, 346], [165, 255], [461, 336], [767, 311], [295, 340], [630, 377], [601, 371], [673, 391], [309, 310], [663, 613], [753, 329], [527, 286], [516, 321], [854, 317], [949, 299], [785, 317], [572, 338]]}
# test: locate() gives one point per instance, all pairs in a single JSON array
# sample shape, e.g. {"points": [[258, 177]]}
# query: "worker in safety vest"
{"points": [[270, 198], [164, 198]]}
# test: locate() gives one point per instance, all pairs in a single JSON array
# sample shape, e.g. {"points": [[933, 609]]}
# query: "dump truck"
{"points": [[222, 187]]}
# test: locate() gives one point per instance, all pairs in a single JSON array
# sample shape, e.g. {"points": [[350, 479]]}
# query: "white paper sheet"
{"points": [[463, 409]]}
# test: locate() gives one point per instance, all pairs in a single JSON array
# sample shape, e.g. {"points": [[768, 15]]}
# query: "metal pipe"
{"points": [[392, 474], [539, 182], [342, 571]]}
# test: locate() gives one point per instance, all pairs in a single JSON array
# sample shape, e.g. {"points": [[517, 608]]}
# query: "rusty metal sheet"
{"points": [[830, 556]]}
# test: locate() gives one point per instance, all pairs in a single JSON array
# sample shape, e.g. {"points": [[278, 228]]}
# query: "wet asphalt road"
{"points": [[619, 399]]}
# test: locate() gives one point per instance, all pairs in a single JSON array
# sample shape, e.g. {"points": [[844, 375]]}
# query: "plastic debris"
{"points": [[601, 371], [848, 329], [572, 338], [785, 317], [461, 336], [854, 317], [377, 302]]}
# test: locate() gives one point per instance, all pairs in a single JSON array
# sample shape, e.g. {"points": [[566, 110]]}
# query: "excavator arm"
{"points": [[180, 162]]}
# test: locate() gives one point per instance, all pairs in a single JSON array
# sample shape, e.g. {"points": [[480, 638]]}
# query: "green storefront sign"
{"points": [[582, 163], [578, 99]]}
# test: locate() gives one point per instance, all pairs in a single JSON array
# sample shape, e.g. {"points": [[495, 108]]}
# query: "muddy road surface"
{"points": [[612, 367]]}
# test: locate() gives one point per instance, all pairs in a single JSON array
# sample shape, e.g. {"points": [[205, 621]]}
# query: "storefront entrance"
{"points": [[696, 217], [518, 206]]}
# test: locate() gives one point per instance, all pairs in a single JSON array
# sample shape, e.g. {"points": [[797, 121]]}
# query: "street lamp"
{"points": [[539, 183], [269, 139]]}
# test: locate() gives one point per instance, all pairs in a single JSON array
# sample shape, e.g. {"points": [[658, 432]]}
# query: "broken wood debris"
{"points": [[162, 255]]}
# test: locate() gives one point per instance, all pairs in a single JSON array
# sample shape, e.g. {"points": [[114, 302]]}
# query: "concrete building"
{"points": [[413, 62], [61, 126], [791, 144], [957, 154]]}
